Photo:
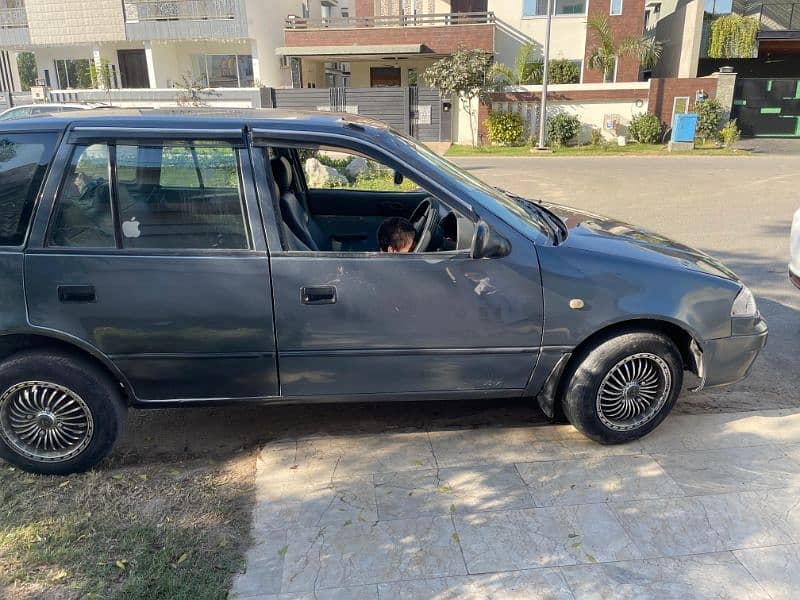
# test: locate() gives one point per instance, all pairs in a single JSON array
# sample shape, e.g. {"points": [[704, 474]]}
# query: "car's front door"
{"points": [[155, 255], [351, 323]]}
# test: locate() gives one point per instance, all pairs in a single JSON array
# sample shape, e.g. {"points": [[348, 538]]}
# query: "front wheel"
{"points": [[59, 414], [621, 388]]}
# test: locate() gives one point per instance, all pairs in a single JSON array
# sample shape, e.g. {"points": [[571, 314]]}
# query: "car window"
{"points": [[82, 218], [17, 113], [23, 162], [184, 196], [354, 203], [328, 168]]}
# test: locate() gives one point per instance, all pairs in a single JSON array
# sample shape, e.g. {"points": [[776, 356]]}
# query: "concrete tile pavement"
{"points": [[705, 507]]}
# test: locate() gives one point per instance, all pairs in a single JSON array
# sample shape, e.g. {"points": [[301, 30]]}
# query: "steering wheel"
{"points": [[425, 221]]}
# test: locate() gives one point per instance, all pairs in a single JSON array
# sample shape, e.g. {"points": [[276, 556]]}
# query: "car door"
{"points": [[392, 325], [151, 250]]}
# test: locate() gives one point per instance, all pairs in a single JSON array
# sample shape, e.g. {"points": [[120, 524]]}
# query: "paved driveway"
{"points": [[706, 507]]}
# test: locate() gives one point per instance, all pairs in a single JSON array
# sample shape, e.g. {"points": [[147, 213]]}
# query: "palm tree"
{"points": [[603, 57], [526, 70]]}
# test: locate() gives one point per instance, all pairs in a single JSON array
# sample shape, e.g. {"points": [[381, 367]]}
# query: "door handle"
{"points": [[318, 294], [76, 293]]}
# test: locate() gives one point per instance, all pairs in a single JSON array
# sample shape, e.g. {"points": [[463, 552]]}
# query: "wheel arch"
{"points": [[551, 397], [14, 342]]}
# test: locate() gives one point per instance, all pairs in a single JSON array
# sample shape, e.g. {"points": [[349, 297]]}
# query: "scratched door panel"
{"points": [[408, 323]]}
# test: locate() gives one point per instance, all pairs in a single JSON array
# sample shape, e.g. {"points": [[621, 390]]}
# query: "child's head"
{"points": [[396, 234]]}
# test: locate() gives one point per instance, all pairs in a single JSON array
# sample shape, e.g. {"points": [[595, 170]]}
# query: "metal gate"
{"points": [[412, 110], [767, 107]]}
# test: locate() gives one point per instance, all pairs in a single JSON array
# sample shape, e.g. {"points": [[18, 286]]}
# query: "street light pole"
{"points": [[546, 68]]}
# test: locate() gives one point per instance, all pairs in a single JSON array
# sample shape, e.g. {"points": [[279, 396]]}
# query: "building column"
{"points": [[726, 82], [259, 77], [151, 67]]}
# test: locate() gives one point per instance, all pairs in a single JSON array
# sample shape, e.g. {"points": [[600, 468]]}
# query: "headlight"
{"points": [[745, 304]]}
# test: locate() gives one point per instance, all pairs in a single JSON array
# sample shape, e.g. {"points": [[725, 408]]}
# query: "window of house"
{"points": [[23, 162], [83, 210], [224, 70], [616, 7], [718, 7], [538, 8], [74, 73]]}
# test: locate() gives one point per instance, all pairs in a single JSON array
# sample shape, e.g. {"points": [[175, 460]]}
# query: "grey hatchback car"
{"points": [[177, 258]]}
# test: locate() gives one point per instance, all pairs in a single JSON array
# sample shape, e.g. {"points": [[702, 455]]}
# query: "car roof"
{"points": [[194, 118]]}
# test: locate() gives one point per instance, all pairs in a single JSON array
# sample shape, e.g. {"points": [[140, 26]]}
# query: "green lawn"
{"points": [[600, 150]]}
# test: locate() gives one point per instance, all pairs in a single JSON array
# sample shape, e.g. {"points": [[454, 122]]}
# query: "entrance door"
{"points": [[158, 267], [468, 6], [133, 68]]}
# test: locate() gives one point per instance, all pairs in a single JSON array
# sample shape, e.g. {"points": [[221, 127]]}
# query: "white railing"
{"points": [[180, 10], [13, 18]]}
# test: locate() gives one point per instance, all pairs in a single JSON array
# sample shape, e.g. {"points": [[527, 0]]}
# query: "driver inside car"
{"points": [[396, 234]]}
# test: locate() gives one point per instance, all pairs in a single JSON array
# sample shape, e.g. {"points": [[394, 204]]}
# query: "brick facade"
{"points": [[664, 91], [364, 8], [446, 39], [629, 24]]}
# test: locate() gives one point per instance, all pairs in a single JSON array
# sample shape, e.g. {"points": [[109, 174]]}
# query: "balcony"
{"points": [[14, 27], [432, 34], [185, 19], [779, 17]]}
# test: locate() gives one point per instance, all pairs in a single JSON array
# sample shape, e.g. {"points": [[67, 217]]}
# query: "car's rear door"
{"points": [[150, 248]]}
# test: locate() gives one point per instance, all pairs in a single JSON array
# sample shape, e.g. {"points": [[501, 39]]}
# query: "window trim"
{"points": [[611, 8], [556, 15], [68, 148]]}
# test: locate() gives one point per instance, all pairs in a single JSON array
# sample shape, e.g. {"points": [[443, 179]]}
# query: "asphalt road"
{"points": [[735, 208]]}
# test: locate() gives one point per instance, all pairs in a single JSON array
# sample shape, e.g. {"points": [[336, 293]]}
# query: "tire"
{"points": [[75, 411], [600, 396]]}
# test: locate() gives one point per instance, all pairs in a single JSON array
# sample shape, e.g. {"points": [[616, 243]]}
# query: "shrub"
{"points": [[562, 70], [505, 128], [562, 128], [709, 115], [730, 133], [645, 128], [597, 137]]}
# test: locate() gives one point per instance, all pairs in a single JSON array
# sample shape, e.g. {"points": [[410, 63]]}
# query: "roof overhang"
{"points": [[370, 50]]}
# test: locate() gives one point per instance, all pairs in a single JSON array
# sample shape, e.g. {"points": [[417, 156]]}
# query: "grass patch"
{"points": [[599, 150], [176, 530]]}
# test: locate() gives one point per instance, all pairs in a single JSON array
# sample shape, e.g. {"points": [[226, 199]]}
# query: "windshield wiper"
{"points": [[542, 214]]}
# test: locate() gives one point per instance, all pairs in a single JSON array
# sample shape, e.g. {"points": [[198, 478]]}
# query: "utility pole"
{"points": [[546, 67]]}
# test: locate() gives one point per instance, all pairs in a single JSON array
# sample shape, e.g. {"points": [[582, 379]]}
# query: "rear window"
{"points": [[23, 161]]}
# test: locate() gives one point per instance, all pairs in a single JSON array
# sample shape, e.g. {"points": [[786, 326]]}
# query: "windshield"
{"points": [[523, 212]]}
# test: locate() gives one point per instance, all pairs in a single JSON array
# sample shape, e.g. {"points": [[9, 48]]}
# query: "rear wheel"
{"points": [[58, 414], [622, 387]]}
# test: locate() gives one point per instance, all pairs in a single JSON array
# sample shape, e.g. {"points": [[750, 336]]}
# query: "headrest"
{"points": [[282, 172]]}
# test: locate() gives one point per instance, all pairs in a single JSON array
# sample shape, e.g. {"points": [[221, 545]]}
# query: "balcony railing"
{"points": [[180, 10], [779, 16], [13, 18], [433, 19]]}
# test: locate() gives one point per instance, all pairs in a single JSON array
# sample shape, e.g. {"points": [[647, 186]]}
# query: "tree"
{"points": [[733, 36], [603, 56], [465, 74], [528, 71], [523, 71], [28, 74]]}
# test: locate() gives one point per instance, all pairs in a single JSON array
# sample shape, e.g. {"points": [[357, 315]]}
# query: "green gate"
{"points": [[767, 107]]}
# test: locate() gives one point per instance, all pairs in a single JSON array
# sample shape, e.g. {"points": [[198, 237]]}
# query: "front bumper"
{"points": [[728, 360]]}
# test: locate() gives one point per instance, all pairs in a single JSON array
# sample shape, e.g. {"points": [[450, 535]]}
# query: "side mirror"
{"points": [[487, 243], [398, 178]]}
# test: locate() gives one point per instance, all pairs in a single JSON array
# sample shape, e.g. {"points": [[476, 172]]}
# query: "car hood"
{"points": [[597, 233]]}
